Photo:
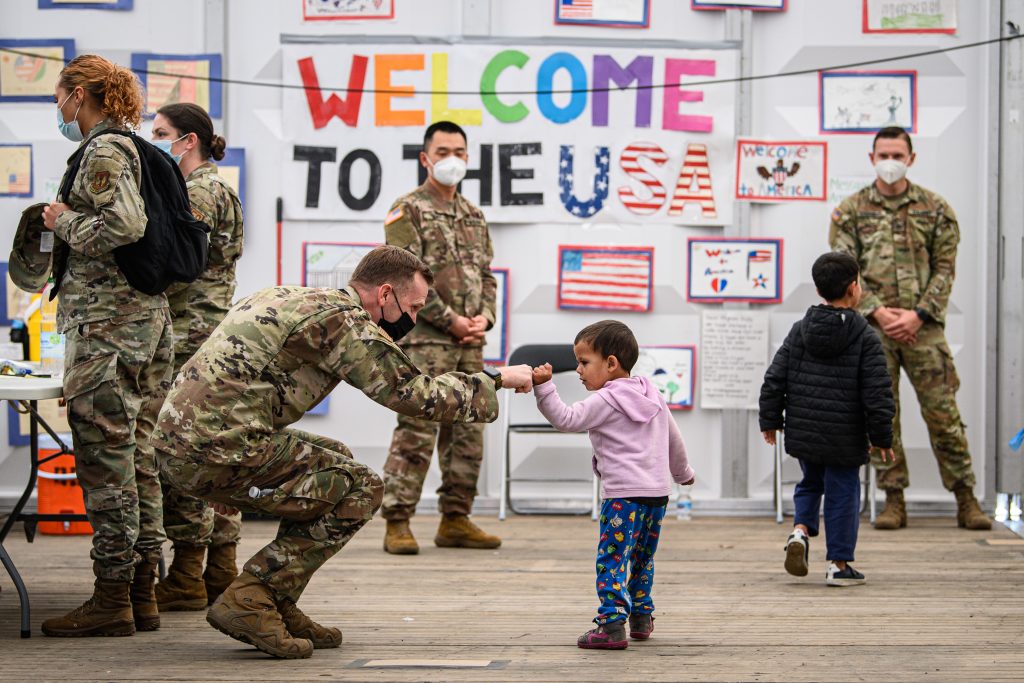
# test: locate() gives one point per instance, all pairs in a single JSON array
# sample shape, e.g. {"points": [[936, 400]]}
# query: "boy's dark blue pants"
{"points": [[625, 558], [840, 487]]}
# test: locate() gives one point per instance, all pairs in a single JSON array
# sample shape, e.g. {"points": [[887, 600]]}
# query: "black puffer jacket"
{"points": [[830, 380]]}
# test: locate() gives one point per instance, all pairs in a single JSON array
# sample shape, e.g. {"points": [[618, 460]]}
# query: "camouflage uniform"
{"points": [[906, 248], [196, 309], [451, 238], [117, 357], [277, 354]]}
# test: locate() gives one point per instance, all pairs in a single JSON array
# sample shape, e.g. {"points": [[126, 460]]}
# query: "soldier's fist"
{"points": [[519, 377]]}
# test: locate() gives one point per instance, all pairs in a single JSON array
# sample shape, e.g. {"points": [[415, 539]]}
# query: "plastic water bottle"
{"points": [[51, 342], [684, 506]]}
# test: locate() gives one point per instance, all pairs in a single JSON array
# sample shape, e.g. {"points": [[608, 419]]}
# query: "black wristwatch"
{"points": [[495, 375], [923, 315]]}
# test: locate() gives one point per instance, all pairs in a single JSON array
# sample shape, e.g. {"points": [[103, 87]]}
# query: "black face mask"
{"points": [[399, 328]]}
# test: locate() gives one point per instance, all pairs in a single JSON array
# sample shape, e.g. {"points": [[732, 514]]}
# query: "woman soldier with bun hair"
{"points": [[118, 349], [185, 132]]}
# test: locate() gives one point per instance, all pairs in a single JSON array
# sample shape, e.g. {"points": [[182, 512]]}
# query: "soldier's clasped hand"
{"points": [[518, 377], [52, 212]]}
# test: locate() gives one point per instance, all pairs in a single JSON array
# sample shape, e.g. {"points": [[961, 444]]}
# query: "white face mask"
{"points": [[891, 171], [449, 171]]}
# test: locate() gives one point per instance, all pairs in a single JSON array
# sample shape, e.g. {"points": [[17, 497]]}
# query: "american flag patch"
{"points": [[393, 215], [605, 278]]}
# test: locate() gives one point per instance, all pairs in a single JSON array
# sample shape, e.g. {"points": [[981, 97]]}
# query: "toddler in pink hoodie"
{"points": [[638, 453]]}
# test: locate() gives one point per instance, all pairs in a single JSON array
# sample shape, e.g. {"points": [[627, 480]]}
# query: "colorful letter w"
{"points": [[321, 110]]}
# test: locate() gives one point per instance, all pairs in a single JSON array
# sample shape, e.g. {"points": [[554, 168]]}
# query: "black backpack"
{"points": [[175, 246]]}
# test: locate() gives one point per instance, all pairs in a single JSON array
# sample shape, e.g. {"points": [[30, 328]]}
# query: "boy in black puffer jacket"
{"points": [[829, 388]]}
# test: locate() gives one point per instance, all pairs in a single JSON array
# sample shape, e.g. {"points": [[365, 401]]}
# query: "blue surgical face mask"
{"points": [[165, 147], [72, 131]]}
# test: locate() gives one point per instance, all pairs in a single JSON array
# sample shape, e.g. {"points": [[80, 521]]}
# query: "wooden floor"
{"points": [[941, 604]]}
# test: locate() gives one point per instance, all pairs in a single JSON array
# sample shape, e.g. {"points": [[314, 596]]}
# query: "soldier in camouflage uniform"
{"points": [[905, 239], [222, 431], [185, 131], [440, 226], [117, 355]]}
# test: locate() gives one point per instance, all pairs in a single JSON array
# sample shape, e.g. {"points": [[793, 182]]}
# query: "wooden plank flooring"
{"points": [[941, 604]]}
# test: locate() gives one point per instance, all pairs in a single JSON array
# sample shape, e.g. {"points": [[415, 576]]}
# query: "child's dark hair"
{"points": [[833, 273], [611, 338]]}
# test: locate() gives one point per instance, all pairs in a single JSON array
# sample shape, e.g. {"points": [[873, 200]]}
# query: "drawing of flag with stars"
{"points": [[605, 278], [576, 9], [758, 256]]}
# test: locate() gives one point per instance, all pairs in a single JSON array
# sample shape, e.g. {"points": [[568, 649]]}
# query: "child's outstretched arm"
{"points": [[579, 417]]}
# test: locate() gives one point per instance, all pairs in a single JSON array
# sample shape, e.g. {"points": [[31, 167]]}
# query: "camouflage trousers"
{"points": [[460, 446], [118, 372], [929, 366], [322, 495], [189, 520]]}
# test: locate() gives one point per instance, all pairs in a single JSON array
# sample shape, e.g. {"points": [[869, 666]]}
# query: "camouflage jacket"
{"points": [[106, 212], [198, 307], [906, 248], [451, 238], [282, 350]]}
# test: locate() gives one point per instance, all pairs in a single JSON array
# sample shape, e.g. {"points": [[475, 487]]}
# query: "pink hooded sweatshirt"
{"points": [[637, 444]]}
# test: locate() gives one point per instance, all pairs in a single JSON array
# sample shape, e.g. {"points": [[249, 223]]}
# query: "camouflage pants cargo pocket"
{"points": [[96, 406]]}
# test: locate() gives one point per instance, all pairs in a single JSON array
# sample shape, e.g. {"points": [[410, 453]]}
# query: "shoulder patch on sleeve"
{"points": [[393, 216], [199, 216], [837, 215]]}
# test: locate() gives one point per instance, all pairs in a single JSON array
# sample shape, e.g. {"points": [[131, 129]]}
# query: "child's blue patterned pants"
{"points": [[629, 537]]}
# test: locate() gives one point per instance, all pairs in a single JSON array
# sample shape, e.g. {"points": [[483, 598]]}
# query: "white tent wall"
{"points": [[953, 114]]}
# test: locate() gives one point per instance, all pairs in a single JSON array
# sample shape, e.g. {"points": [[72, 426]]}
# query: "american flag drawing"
{"points": [[758, 256], [576, 9], [608, 278]]}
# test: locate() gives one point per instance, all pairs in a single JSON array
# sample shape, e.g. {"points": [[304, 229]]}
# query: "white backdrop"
{"points": [[952, 131]]}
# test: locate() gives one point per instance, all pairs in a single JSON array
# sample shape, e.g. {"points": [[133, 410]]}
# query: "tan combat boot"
{"points": [[107, 613], [894, 516], [221, 569], [144, 605], [183, 588], [301, 626], [398, 539], [247, 611], [457, 531], [968, 513]]}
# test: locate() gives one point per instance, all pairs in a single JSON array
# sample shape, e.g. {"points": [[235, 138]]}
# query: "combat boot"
{"points": [[968, 513], [247, 611], [144, 605], [221, 569], [183, 588], [398, 539], [457, 531], [301, 626], [894, 516], [107, 613]]}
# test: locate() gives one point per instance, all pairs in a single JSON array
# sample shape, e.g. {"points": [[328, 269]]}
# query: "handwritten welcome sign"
{"points": [[552, 135]]}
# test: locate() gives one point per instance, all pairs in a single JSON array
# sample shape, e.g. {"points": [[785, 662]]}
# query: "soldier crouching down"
{"points": [[222, 436]]}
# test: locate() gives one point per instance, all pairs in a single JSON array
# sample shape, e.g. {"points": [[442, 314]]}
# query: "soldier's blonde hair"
{"points": [[116, 89], [392, 265]]}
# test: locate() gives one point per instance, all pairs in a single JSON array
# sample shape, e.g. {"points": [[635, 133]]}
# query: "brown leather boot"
{"points": [[968, 513], [457, 531], [107, 613], [183, 588], [398, 539], [221, 569], [301, 626], [247, 611], [144, 605], [894, 516]]}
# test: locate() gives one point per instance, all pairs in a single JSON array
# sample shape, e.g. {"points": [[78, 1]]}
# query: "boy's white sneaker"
{"points": [[846, 577], [797, 552]]}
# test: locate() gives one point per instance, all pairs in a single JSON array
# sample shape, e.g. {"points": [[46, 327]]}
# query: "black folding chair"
{"points": [[562, 360]]}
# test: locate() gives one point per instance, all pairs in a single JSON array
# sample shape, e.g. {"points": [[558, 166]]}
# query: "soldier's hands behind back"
{"points": [[519, 377], [541, 374], [886, 454], [223, 509]]}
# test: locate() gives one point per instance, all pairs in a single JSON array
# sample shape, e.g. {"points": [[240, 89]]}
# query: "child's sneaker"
{"points": [[640, 626], [846, 577], [605, 637], [797, 552]]}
